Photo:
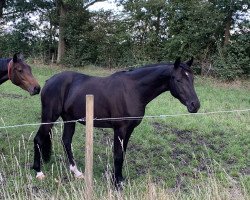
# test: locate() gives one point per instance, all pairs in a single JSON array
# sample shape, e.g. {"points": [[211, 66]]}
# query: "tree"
{"points": [[148, 27], [231, 10], [111, 42], [54, 12], [194, 29], [61, 42], [2, 5], [21, 13], [64, 7], [146, 31]]}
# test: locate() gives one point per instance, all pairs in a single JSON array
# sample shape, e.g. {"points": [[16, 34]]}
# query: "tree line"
{"points": [[215, 32]]}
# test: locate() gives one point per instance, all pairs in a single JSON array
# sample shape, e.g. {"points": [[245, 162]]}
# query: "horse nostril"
{"points": [[195, 105], [37, 89], [192, 104]]}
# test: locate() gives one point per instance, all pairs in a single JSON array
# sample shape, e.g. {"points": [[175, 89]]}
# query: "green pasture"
{"points": [[178, 156]]}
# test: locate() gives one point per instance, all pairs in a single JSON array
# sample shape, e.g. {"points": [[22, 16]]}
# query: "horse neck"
{"points": [[153, 81], [4, 70]]}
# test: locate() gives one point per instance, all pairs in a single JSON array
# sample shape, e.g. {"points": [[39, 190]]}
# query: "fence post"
{"points": [[89, 146]]}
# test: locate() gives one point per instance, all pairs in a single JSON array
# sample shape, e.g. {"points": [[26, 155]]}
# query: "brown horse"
{"points": [[19, 73], [122, 94]]}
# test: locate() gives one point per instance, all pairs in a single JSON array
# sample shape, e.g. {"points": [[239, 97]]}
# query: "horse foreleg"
{"points": [[119, 135], [68, 132], [37, 158], [42, 145], [121, 138]]}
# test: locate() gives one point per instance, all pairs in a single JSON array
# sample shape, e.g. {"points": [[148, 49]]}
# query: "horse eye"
{"points": [[179, 81], [20, 70]]}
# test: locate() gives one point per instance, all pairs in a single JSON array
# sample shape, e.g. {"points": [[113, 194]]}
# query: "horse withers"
{"points": [[122, 94], [19, 73]]}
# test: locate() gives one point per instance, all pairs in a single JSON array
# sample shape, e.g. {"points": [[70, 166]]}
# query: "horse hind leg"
{"points": [[68, 132], [42, 141]]}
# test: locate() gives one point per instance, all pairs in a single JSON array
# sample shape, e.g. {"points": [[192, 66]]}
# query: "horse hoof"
{"points": [[120, 186], [40, 176]]}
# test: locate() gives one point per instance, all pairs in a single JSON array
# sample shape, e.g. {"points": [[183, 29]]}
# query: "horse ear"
{"points": [[21, 56], [15, 57], [177, 62], [190, 62]]}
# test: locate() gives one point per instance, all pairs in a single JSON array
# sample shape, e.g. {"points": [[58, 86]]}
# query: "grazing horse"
{"points": [[19, 73], [122, 94]]}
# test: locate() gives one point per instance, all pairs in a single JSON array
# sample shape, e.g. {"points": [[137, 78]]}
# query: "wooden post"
{"points": [[89, 146]]}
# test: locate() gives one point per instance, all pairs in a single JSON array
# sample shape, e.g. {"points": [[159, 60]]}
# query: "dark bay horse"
{"points": [[122, 94], [19, 73]]}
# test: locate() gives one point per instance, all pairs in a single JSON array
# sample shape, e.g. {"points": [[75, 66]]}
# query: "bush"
{"points": [[233, 61]]}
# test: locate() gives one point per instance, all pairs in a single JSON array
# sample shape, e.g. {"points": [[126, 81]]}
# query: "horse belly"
{"points": [[75, 108], [100, 124]]}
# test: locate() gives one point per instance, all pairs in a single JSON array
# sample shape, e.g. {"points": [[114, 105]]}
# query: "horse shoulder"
{"points": [[128, 96]]}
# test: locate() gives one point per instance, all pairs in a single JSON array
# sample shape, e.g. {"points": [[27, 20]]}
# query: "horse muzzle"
{"points": [[193, 106], [35, 90]]}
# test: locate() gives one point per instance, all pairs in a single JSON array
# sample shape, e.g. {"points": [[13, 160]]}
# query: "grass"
{"points": [[184, 157]]}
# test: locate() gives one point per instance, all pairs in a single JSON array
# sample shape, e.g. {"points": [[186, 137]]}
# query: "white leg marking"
{"points": [[77, 173], [40, 175]]}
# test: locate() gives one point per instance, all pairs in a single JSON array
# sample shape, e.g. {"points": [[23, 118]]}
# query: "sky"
{"points": [[105, 5]]}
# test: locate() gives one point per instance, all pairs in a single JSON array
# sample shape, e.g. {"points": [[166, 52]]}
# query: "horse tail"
{"points": [[47, 147]]}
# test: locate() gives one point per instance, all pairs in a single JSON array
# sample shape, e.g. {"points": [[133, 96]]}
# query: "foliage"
{"points": [[20, 38], [114, 45], [78, 45], [148, 27], [193, 31], [145, 31], [233, 61], [30, 28]]}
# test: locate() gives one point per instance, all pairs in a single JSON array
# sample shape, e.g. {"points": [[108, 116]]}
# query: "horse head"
{"points": [[182, 85], [20, 74]]}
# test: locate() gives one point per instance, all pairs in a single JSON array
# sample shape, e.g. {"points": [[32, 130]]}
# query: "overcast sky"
{"points": [[105, 5]]}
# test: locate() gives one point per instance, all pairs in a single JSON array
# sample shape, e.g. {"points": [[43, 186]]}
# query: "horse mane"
{"points": [[131, 69], [4, 63], [145, 66], [151, 66]]}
